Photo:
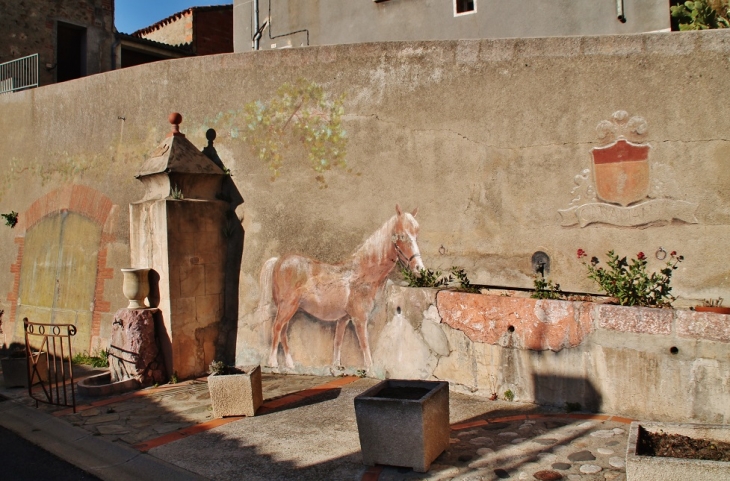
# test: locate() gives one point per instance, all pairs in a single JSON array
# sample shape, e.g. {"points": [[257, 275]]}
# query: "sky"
{"points": [[132, 15]]}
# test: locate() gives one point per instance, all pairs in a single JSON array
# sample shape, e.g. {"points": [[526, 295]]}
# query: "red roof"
{"points": [[175, 16]]}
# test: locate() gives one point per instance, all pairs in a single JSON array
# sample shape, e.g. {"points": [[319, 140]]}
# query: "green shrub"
{"points": [[702, 14], [99, 359], [629, 281], [545, 289]]}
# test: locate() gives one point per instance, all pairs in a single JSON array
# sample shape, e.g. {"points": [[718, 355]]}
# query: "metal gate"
{"points": [[50, 363]]}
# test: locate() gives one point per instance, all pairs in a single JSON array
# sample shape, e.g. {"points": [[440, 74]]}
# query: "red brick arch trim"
{"points": [[82, 200]]}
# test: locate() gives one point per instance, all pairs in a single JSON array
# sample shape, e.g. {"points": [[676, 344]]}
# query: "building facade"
{"points": [[204, 30], [296, 23], [73, 38]]}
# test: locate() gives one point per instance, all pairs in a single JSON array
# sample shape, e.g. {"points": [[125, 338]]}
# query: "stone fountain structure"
{"points": [[170, 326]]}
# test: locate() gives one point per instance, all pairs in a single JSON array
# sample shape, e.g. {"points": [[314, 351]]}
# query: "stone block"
{"points": [[640, 320], [192, 280], [703, 325], [133, 350], [516, 322], [654, 468], [15, 370], [236, 394], [403, 423]]}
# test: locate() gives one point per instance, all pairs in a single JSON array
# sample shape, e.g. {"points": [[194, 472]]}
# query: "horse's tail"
{"points": [[266, 296]]}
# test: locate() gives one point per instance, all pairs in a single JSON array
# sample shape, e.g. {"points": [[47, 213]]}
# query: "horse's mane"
{"points": [[377, 246]]}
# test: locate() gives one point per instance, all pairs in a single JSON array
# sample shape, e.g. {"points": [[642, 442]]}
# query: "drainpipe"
{"points": [[114, 52], [620, 11], [257, 33]]}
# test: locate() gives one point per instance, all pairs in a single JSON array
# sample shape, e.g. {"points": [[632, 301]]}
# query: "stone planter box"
{"points": [[654, 468], [236, 394], [403, 423], [15, 370]]}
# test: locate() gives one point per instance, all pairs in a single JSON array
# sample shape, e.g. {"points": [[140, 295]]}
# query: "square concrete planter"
{"points": [[15, 370], [236, 394], [655, 468], [403, 423]]}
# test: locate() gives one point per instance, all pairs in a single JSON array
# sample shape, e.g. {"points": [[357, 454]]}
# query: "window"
{"points": [[464, 6]]}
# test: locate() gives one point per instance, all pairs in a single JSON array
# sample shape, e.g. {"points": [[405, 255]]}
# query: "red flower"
{"points": [[640, 256], [581, 253], [673, 253]]}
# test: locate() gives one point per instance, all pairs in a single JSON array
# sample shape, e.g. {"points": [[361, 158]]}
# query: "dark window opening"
{"points": [[131, 57], [70, 52], [464, 6]]}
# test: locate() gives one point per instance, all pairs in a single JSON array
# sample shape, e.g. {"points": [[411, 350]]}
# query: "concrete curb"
{"points": [[102, 458]]}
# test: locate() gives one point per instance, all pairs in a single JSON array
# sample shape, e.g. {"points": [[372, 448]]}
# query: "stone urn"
{"points": [[403, 423], [136, 286]]}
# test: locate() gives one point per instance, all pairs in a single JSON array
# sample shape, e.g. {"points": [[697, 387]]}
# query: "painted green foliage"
{"points": [[300, 114], [300, 119]]}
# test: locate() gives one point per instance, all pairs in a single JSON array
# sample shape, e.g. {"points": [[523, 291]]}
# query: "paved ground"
{"points": [[24, 461], [306, 430]]}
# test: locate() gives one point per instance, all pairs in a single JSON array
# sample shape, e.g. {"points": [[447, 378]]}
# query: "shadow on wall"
{"points": [[566, 392], [234, 234]]}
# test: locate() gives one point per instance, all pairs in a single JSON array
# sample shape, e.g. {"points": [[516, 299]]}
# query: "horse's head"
{"points": [[405, 233]]}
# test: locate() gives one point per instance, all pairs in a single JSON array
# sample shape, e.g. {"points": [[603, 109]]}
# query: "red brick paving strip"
{"points": [[372, 474], [596, 417], [124, 397]]}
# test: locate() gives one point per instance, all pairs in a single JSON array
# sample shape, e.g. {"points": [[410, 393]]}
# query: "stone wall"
{"points": [[642, 363], [493, 140]]}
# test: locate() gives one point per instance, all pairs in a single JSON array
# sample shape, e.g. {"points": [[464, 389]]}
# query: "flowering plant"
{"points": [[630, 283]]}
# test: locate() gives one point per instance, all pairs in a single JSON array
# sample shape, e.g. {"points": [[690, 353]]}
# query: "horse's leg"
{"points": [[339, 336], [284, 313], [285, 345], [360, 321]]}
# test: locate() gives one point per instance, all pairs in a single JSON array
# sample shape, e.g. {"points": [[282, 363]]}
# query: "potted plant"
{"points": [[234, 391], [675, 451], [713, 305], [15, 367], [403, 423]]}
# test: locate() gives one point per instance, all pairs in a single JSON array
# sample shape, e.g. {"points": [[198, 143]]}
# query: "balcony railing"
{"points": [[19, 74]]}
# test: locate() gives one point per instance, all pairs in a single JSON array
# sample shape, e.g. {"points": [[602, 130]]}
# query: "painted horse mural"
{"points": [[337, 292]]}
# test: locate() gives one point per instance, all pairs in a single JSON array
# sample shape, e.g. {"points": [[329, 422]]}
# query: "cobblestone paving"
{"points": [[157, 411], [176, 407], [548, 446], [539, 448]]}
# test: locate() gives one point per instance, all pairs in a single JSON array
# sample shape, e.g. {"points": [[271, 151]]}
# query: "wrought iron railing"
{"points": [[53, 350], [19, 74]]}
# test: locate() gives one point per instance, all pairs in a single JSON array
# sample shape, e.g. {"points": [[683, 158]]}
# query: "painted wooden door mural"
{"points": [[58, 275], [61, 268]]}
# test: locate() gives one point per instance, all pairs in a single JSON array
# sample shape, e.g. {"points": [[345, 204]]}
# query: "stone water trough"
{"points": [[654, 468]]}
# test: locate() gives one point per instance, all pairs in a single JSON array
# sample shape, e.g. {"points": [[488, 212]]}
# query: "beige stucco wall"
{"points": [[486, 137]]}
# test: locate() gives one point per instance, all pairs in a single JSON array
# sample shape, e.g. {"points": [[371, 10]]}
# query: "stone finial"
{"points": [[210, 134], [175, 119]]}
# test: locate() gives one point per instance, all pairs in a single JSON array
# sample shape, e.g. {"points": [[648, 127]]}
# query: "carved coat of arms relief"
{"points": [[616, 188]]}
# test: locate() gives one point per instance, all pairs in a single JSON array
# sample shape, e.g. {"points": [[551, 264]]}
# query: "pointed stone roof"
{"points": [[176, 154]]}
